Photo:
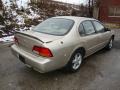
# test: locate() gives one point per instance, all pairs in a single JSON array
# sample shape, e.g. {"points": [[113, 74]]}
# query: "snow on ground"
{"points": [[20, 3], [20, 20], [1, 26], [23, 19], [7, 39]]}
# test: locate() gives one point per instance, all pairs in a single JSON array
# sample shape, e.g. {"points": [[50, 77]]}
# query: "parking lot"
{"points": [[100, 71]]}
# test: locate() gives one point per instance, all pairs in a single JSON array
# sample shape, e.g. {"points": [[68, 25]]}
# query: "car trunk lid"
{"points": [[28, 39]]}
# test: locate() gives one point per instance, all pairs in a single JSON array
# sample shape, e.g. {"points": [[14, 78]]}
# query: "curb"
{"points": [[6, 44]]}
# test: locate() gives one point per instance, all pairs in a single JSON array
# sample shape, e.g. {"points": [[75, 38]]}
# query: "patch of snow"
{"points": [[14, 13], [7, 39], [21, 30], [1, 40], [20, 20], [3, 33], [20, 3], [1, 26], [7, 22], [33, 14], [23, 3], [40, 20]]}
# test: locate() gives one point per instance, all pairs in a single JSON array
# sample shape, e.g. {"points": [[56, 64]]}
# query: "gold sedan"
{"points": [[61, 42]]}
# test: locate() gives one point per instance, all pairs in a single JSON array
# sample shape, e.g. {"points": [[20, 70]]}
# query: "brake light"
{"points": [[42, 51], [16, 40]]}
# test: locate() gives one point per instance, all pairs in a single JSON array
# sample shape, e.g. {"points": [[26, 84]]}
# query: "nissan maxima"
{"points": [[61, 42]]}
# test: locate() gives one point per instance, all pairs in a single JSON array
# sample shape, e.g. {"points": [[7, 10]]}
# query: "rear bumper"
{"points": [[38, 63]]}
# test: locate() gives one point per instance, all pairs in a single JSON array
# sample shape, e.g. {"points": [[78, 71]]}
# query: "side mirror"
{"points": [[107, 29]]}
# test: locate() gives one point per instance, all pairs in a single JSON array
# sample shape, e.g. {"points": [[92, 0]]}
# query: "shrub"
{"points": [[1, 19]]}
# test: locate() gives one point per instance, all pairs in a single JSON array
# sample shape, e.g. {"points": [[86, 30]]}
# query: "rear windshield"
{"points": [[55, 26]]}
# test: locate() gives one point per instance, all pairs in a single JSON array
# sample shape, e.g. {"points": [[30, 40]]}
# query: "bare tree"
{"points": [[91, 5], [97, 3], [1, 5]]}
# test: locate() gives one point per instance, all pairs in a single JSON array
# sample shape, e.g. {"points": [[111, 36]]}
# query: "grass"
{"points": [[112, 25]]}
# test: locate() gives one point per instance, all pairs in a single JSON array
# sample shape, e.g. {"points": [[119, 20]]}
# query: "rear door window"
{"points": [[81, 30], [98, 26], [88, 27]]}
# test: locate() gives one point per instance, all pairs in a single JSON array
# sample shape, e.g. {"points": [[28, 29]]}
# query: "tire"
{"points": [[109, 45], [75, 62]]}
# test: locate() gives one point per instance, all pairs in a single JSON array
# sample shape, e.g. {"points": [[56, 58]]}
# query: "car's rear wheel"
{"points": [[110, 44], [75, 62]]}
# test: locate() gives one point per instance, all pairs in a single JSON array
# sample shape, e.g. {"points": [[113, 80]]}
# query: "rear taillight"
{"points": [[16, 40], [42, 51]]}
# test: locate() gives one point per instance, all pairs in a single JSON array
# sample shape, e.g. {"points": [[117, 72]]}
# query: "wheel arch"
{"points": [[81, 49]]}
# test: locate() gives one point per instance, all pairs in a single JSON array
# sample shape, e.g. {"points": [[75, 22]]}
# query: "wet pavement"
{"points": [[100, 71]]}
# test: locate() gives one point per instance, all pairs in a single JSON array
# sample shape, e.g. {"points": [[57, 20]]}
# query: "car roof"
{"points": [[75, 18]]}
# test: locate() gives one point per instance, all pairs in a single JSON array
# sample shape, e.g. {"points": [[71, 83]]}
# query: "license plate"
{"points": [[22, 58]]}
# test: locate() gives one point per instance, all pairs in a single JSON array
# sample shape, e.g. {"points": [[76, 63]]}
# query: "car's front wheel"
{"points": [[109, 45], [75, 62]]}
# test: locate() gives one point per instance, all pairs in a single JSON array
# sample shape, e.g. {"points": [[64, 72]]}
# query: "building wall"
{"points": [[104, 11]]}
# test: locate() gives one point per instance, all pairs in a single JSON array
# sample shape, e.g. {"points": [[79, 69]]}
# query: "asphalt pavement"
{"points": [[100, 71]]}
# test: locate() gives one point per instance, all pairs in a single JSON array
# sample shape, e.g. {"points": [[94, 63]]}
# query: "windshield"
{"points": [[55, 26]]}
